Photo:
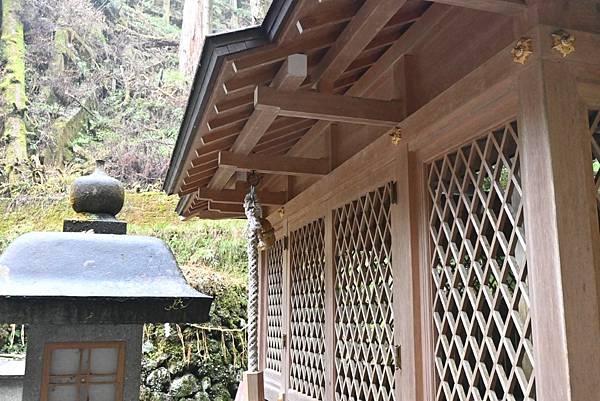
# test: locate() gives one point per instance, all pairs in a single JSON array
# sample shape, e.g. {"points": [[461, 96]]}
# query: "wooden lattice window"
{"points": [[274, 305], [307, 345], [483, 348], [595, 131], [91, 371], [364, 324]]}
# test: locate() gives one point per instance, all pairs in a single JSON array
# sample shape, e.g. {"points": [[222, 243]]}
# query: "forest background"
{"points": [[82, 80]]}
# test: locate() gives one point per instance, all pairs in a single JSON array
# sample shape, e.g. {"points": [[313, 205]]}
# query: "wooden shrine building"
{"points": [[431, 171]]}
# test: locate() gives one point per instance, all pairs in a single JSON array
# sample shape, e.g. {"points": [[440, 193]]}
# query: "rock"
{"points": [[220, 393], [149, 364], [184, 386], [176, 367], [205, 383], [147, 394], [152, 361], [158, 379], [147, 347], [202, 396]]}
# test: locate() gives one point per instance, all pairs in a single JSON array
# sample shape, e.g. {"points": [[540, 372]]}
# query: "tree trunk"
{"points": [[12, 88], [167, 11], [195, 27]]}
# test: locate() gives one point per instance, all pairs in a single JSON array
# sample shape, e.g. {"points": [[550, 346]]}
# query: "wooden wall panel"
{"points": [[274, 309], [364, 319], [307, 317], [481, 313]]}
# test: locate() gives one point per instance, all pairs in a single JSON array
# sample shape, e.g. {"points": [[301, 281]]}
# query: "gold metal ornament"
{"points": [[522, 50], [396, 135], [563, 42], [281, 212]]}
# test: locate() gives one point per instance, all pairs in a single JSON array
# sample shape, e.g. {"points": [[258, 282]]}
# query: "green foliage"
{"points": [[224, 17], [12, 339], [218, 245]]}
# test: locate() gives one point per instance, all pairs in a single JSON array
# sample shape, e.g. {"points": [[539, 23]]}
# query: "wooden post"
{"points": [[287, 310], [254, 386], [330, 373], [262, 313], [407, 277], [562, 238]]}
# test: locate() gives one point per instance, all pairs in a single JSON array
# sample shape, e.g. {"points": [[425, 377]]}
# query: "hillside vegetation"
{"points": [[82, 80]]}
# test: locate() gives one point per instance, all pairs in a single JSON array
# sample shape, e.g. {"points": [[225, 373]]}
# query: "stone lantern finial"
{"points": [[99, 198]]}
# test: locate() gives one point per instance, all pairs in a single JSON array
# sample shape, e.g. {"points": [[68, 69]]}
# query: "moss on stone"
{"points": [[12, 83]]}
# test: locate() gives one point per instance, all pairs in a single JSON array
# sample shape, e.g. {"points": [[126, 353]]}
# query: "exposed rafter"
{"points": [[510, 7], [237, 196], [327, 13], [320, 106], [362, 29], [416, 33], [296, 166], [290, 77]]}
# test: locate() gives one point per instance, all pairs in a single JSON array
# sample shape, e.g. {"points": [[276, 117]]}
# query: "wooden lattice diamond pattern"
{"points": [[483, 348], [274, 305], [364, 317], [595, 131], [307, 346]]}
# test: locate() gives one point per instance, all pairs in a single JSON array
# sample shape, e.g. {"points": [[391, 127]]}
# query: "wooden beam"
{"points": [[225, 207], [362, 29], [426, 25], [290, 77], [237, 196], [212, 215], [321, 106], [280, 165], [510, 7]]}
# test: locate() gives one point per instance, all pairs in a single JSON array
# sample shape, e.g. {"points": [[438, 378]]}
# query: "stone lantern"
{"points": [[86, 293]]}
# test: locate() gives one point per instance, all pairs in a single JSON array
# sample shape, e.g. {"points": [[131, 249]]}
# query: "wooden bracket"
{"points": [[321, 106], [274, 164], [237, 196]]}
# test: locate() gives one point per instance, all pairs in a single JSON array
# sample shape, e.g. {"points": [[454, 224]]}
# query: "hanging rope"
{"points": [[253, 212]]}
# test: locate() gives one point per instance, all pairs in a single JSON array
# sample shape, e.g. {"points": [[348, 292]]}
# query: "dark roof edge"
{"points": [[215, 49]]}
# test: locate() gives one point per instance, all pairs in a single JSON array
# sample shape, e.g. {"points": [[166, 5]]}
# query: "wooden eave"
{"points": [[223, 106]]}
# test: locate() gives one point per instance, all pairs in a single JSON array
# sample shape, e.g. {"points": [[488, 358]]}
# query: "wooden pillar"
{"points": [[254, 386], [406, 268], [330, 373], [562, 238], [262, 312], [287, 310]]}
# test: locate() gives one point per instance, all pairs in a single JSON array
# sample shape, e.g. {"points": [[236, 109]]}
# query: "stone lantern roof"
{"points": [[84, 277]]}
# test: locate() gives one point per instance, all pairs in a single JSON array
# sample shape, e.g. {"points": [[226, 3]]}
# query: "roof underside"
{"points": [[235, 64]]}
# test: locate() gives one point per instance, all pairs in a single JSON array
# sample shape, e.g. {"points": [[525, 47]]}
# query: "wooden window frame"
{"points": [[50, 347]]}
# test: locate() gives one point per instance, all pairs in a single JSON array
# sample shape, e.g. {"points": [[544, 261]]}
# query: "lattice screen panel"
{"points": [[482, 323], [274, 305], [307, 346], [595, 131], [364, 323]]}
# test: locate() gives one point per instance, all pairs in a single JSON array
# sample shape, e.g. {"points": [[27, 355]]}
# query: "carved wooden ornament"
{"points": [[563, 42], [396, 135], [522, 50]]}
